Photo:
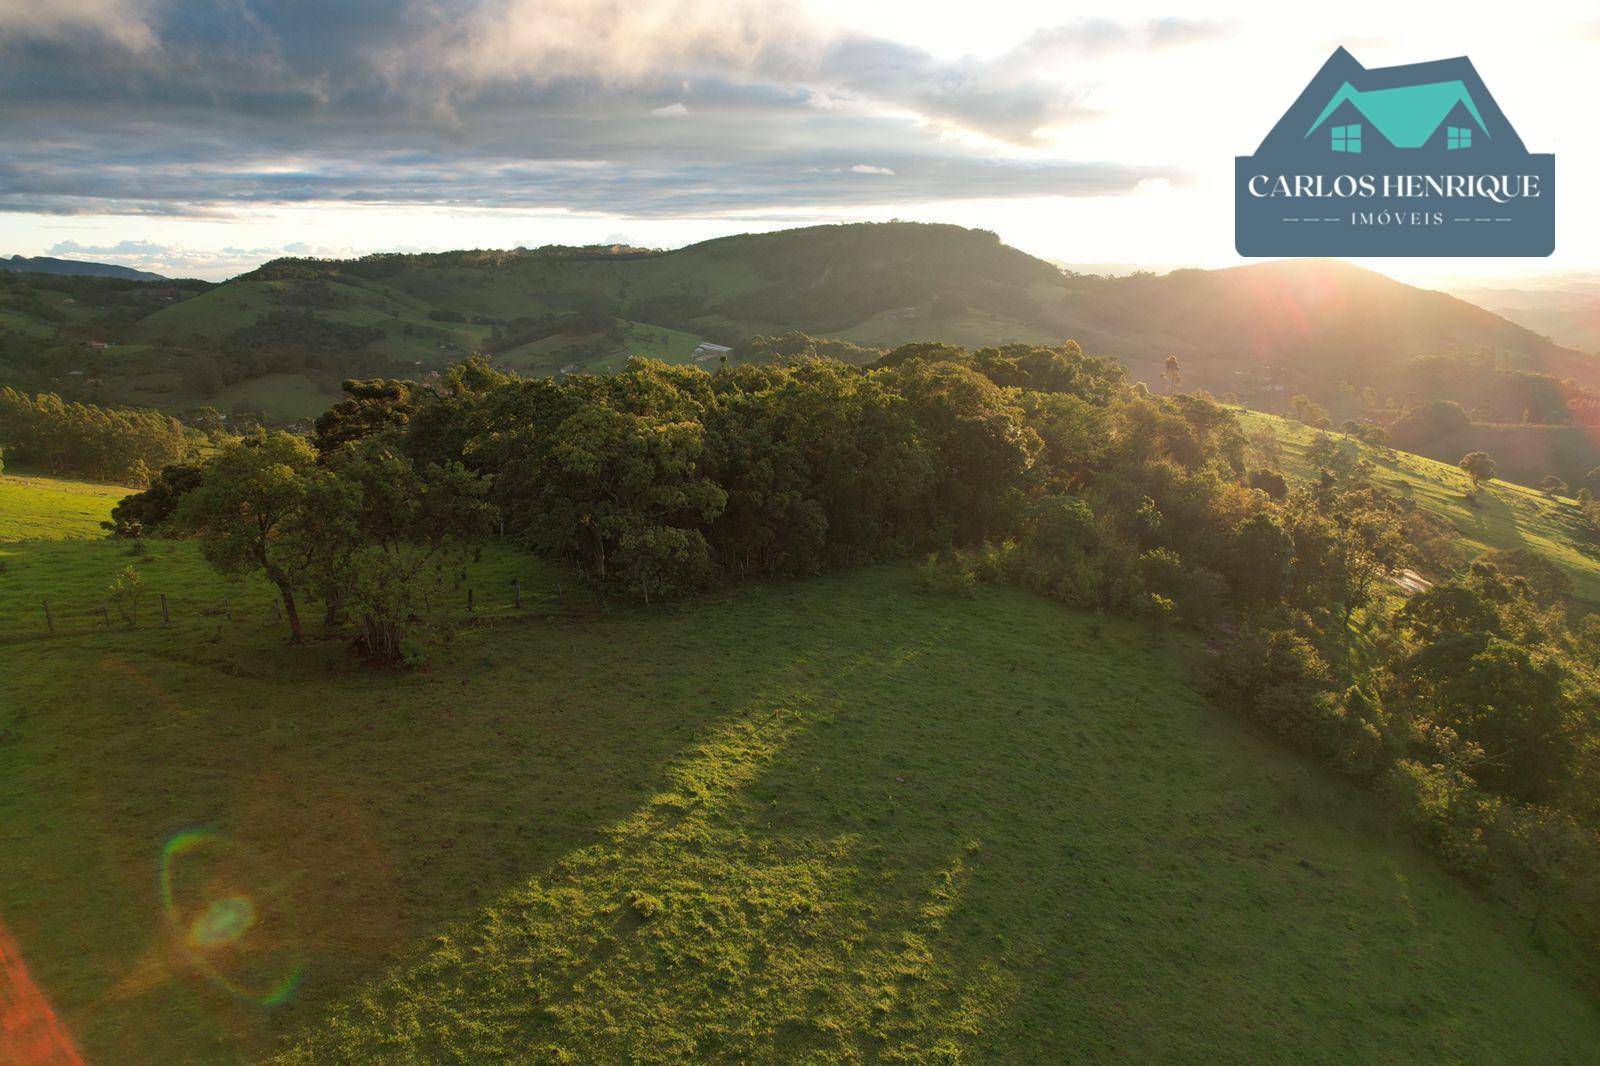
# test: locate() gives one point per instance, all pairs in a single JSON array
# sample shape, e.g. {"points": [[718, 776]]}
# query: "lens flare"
{"points": [[30, 1032], [231, 925]]}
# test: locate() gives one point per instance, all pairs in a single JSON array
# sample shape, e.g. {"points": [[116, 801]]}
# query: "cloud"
{"points": [[1097, 36], [123, 24], [184, 107], [176, 260]]}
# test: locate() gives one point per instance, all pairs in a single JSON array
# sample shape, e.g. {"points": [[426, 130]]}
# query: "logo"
{"points": [[1415, 160]]}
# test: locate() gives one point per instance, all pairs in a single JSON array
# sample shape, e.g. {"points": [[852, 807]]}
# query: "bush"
{"points": [[125, 593], [948, 574]]}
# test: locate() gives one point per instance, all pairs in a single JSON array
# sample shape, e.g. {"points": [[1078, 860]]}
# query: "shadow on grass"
{"points": [[967, 829], [837, 818]]}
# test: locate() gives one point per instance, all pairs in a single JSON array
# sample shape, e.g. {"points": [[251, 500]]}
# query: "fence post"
{"points": [[48, 620], [470, 607], [516, 587], [166, 619], [105, 612]]}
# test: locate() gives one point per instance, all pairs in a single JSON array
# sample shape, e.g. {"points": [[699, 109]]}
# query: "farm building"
{"points": [[706, 351]]}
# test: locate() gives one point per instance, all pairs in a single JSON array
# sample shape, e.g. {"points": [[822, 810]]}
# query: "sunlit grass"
{"points": [[1502, 515], [33, 508], [836, 819]]}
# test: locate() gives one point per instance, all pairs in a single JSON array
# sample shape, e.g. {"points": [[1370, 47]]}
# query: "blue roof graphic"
{"points": [[1408, 114]]}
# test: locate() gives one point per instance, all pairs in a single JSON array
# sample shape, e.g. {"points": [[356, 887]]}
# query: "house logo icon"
{"points": [[1416, 160]]}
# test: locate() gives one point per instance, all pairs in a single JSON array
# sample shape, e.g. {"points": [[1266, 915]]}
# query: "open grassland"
{"points": [[282, 396], [837, 819], [1503, 515], [36, 508]]}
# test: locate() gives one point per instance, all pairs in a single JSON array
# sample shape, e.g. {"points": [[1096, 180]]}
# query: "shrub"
{"points": [[949, 574], [125, 593]]}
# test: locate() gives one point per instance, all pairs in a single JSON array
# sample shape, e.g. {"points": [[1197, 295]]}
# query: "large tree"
{"points": [[1479, 467], [384, 535], [250, 509]]}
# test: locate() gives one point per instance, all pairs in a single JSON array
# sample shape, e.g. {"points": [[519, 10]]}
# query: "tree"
{"points": [[368, 407], [1479, 467], [384, 535], [1260, 560], [207, 419], [144, 512], [1171, 373], [1309, 411], [1553, 486], [248, 510], [1502, 697], [1430, 422]]}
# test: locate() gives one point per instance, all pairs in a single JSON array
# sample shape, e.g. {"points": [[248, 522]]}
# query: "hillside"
{"points": [[1568, 311], [43, 264], [1505, 515], [1272, 329], [1262, 333], [730, 832]]}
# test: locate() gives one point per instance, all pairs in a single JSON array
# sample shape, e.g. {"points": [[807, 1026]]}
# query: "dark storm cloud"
{"points": [[179, 108]]}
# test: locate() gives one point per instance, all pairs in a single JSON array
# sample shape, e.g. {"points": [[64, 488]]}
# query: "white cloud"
{"points": [[671, 110], [126, 23], [863, 168]]}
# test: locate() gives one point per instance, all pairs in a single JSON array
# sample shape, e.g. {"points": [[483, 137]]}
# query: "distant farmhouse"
{"points": [[706, 351], [1440, 114]]}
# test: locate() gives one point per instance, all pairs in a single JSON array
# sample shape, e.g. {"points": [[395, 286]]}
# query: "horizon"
{"points": [[1442, 281], [208, 141]]}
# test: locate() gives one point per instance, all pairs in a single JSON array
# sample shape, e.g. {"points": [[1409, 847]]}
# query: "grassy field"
{"points": [[1504, 515], [34, 508], [837, 819], [281, 396]]}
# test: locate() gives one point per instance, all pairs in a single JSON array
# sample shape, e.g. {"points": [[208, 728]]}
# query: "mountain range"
{"points": [[43, 264], [281, 337]]}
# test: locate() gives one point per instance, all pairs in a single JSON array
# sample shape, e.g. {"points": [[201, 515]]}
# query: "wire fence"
{"points": [[186, 611]]}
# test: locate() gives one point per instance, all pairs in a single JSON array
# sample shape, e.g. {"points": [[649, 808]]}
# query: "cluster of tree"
{"points": [[120, 445], [520, 331], [361, 529], [90, 307], [658, 481], [1426, 423], [798, 345], [282, 342], [1484, 383], [300, 332]]}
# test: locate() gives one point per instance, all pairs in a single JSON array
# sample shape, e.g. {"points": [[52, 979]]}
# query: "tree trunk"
{"points": [[296, 634]]}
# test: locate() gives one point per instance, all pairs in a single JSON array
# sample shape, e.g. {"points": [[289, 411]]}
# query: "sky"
{"points": [[201, 139]]}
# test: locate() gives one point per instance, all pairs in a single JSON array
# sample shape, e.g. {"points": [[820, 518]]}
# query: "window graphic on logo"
{"points": [[1347, 138], [1415, 160]]}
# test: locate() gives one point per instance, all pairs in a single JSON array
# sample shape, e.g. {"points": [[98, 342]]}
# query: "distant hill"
{"points": [[43, 264], [1569, 314], [1262, 333]]}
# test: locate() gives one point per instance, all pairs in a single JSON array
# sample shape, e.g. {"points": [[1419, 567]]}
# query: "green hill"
{"points": [[1503, 515], [727, 832], [44, 264], [1262, 333]]}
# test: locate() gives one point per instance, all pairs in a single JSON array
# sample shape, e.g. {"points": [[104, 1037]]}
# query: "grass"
{"points": [[1504, 515], [281, 396], [834, 820], [33, 508]]}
